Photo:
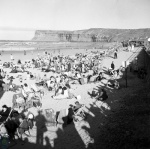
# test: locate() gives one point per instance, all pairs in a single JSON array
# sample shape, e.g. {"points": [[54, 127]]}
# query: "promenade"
{"points": [[122, 56]]}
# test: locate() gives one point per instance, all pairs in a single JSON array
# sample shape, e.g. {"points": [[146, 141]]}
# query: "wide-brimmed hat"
{"points": [[4, 106], [31, 116]]}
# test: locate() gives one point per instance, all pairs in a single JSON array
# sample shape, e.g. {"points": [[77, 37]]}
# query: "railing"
{"points": [[147, 64], [134, 55], [144, 59], [111, 52]]}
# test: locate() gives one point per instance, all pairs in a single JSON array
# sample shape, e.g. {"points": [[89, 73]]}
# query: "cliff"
{"points": [[91, 35]]}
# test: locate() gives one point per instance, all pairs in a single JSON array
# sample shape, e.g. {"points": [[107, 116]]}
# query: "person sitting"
{"points": [[52, 78], [78, 75], [65, 90], [95, 70], [58, 91], [57, 79], [40, 81], [26, 91], [4, 113], [78, 111], [11, 85], [14, 70], [1, 82], [31, 75], [2, 73], [115, 74], [113, 84], [64, 94], [26, 88], [77, 106], [79, 78], [19, 62], [102, 96], [67, 81], [111, 71], [10, 128], [46, 68], [50, 85], [116, 84], [100, 77], [6, 64], [62, 81], [45, 78]]}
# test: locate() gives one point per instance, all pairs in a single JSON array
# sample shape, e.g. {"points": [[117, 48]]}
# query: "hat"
{"points": [[30, 116], [77, 102], [70, 105], [4, 106]]}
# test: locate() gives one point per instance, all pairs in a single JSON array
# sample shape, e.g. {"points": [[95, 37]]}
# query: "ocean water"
{"points": [[32, 54]]}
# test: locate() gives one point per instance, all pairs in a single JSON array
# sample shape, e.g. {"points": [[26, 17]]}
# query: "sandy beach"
{"points": [[76, 135]]}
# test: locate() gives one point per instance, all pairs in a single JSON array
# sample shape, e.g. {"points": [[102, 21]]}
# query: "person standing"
{"points": [[24, 52], [115, 54], [112, 65], [69, 67], [11, 57], [4, 113], [132, 47], [38, 55], [129, 48], [44, 53]]}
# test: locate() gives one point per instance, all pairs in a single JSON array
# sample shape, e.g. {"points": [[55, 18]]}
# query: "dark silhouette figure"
{"points": [[24, 52], [48, 145], [112, 65], [115, 54], [41, 127]]}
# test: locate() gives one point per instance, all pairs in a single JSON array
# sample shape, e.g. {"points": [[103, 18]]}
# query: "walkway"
{"points": [[122, 56]]}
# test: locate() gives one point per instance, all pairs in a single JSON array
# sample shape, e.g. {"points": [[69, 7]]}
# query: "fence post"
{"points": [[126, 74]]}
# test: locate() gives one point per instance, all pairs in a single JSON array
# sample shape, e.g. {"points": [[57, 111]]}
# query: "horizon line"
{"points": [[33, 29]]}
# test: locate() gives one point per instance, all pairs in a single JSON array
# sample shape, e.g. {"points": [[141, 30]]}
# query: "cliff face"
{"points": [[91, 35], [61, 36]]}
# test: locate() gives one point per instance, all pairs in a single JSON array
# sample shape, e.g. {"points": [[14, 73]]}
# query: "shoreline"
{"points": [[59, 46], [47, 49]]}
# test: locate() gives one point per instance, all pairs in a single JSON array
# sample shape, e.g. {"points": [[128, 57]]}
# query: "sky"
{"points": [[20, 18]]}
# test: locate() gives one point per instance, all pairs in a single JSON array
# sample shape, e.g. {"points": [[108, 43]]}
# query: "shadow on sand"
{"points": [[125, 125]]}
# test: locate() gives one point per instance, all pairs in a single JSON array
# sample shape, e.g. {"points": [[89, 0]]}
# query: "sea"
{"points": [[29, 54]]}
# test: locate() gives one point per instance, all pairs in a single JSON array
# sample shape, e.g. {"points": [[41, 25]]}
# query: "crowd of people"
{"points": [[59, 74], [81, 68]]}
